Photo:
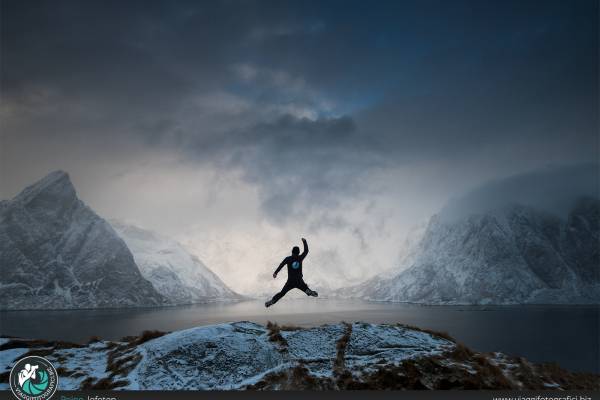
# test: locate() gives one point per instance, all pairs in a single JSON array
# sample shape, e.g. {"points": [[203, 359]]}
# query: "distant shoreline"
{"points": [[257, 299]]}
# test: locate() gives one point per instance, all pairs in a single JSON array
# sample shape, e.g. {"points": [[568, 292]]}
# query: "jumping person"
{"points": [[294, 268]]}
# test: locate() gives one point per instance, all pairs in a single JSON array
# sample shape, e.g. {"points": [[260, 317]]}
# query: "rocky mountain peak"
{"points": [[56, 187], [63, 255]]}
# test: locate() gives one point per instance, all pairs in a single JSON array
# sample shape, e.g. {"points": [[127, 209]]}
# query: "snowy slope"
{"points": [[236, 355], [176, 274], [244, 355], [512, 254], [55, 252]]}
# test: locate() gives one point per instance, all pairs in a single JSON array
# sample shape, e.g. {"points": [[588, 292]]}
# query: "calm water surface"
{"points": [[569, 335]]}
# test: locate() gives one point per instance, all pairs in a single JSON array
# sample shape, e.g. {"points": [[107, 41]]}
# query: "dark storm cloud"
{"points": [[299, 163], [317, 94], [121, 57]]}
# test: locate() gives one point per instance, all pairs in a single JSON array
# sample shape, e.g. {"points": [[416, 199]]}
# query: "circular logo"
{"points": [[295, 265], [33, 377]]}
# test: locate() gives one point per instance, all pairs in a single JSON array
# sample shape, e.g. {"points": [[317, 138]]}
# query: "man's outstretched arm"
{"points": [[305, 252], [279, 268]]}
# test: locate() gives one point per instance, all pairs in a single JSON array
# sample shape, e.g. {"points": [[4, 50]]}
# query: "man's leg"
{"points": [[286, 288], [304, 287]]}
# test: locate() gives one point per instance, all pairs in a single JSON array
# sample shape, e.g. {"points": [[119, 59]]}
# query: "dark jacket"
{"points": [[294, 265]]}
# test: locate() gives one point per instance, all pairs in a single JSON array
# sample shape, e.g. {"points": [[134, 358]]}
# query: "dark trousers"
{"points": [[289, 285]]}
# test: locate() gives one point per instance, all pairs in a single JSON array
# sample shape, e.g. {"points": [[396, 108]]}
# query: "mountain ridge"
{"points": [[57, 253], [174, 272], [514, 254]]}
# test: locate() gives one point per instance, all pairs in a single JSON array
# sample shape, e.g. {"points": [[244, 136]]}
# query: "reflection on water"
{"points": [[567, 335]]}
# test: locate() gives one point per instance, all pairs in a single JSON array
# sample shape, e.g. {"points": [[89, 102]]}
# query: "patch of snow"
{"points": [[315, 347], [551, 385], [371, 345], [8, 357], [90, 361], [217, 357]]}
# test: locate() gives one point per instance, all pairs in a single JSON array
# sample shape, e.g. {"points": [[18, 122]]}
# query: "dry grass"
{"points": [[39, 352], [112, 345], [425, 373], [270, 381], [457, 369], [102, 384], [341, 345], [275, 336], [94, 339], [120, 364], [460, 352], [142, 338], [121, 360], [296, 378], [289, 328], [536, 376], [439, 334], [300, 377], [61, 371], [395, 378]]}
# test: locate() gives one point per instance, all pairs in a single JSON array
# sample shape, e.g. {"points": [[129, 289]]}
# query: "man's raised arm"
{"points": [[305, 252]]}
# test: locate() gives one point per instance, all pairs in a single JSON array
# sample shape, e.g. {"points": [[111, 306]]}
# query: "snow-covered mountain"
{"points": [[55, 253], [175, 273], [510, 255]]}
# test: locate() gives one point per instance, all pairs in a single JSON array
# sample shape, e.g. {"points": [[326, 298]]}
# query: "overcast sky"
{"points": [[238, 127]]}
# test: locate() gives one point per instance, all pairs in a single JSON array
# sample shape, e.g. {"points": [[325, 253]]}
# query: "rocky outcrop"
{"points": [[244, 355]]}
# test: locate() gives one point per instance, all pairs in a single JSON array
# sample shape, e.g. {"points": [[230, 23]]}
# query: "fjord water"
{"points": [[568, 335]]}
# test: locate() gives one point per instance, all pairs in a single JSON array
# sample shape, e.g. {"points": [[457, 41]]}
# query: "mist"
{"points": [[552, 189]]}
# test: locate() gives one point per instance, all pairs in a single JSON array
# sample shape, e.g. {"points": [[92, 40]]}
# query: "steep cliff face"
{"points": [[55, 252], [514, 254]]}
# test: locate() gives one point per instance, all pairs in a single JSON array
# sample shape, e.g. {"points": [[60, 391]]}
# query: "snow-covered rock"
{"points": [[510, 255], [244, 355], [225, 356], [237, 355], [175, 273], [56, 253]]}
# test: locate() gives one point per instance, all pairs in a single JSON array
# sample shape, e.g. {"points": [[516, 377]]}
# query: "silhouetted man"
{"points": [[294, 268]]}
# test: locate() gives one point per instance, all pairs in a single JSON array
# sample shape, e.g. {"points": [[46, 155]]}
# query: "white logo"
{"points": [[33, 377], [27, 373]]}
